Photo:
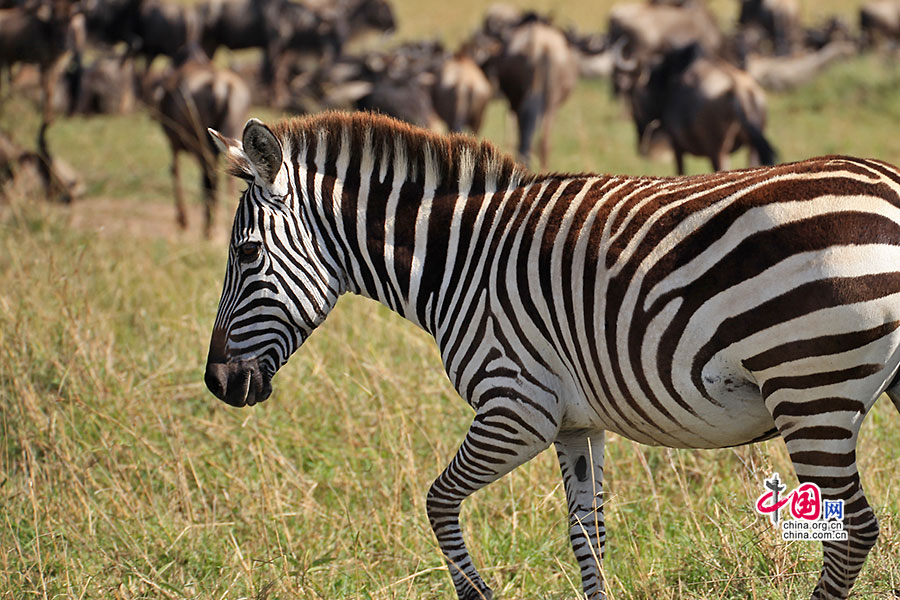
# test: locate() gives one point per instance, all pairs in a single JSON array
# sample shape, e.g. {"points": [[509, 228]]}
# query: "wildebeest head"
{"points": [[375, 14]]}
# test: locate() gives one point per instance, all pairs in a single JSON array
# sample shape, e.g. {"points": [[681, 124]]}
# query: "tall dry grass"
{"points": [[121, 477]]}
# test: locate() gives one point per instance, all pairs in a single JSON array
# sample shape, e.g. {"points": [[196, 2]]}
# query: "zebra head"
{"points": [[278, 284]]}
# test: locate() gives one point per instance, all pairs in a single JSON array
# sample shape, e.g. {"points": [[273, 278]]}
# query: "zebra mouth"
{"points": [[239, 383], [258, 387]]}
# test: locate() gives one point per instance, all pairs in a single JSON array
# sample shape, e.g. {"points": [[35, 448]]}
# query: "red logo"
{"points": [[805, 501]]}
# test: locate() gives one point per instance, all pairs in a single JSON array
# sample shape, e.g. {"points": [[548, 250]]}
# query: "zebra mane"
{"points": [[451, 159]]}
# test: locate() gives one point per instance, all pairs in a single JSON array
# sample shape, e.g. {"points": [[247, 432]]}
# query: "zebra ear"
{"points": [[263, 149], [238, 163]]}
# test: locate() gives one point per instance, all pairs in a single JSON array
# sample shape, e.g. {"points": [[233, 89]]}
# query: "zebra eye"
{"points": [[248, 251]]}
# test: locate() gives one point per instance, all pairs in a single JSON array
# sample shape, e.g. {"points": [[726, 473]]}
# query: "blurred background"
{"points": [[610, 86], [122, 477]]}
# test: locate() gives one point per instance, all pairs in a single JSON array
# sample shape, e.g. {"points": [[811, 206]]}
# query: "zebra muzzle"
{"points": [[238, 383]]}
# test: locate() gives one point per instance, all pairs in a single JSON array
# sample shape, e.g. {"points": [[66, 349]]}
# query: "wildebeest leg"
{"points": [[210, 190], [753, 158], [545, 138], [716, 160], [527, 117], [48, 76], [53, 185], [581, 463], [894, 395], [724, 162], [679, 160], [504, 434], [180, 211]]}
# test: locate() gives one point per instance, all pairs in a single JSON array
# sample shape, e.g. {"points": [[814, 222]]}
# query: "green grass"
{"points": [[121, 477]]}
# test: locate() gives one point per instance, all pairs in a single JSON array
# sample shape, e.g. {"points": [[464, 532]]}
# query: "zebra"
{"points": [[695, 312]]}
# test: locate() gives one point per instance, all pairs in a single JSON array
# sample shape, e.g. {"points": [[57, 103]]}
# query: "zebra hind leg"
{"points": [[820, 435], [503, 435], [581, 463]]}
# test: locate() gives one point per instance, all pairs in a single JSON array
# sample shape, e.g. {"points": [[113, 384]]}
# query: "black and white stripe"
{"points": [[698, 312]]}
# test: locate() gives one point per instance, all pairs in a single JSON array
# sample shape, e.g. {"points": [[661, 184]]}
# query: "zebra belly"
{"points": [[730, 411], [737, 416]]}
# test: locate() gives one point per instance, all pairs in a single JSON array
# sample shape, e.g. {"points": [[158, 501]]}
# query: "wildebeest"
{"points": [[322, 31], [535, 69], [235, 24], [42, 33], [596, 58], [23, 170], [704, 106], [195, 96], [779, 19], [164, 28], [106, 86], [112, 21], [648, 29], [282, 29], [832, 29], [397, 82], [879, 22], [644, 31], [461, 92]]}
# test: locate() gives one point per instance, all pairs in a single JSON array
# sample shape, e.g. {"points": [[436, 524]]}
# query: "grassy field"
{"points": [[122, 477]]}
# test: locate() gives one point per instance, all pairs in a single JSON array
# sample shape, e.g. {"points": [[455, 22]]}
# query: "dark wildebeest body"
{"points": [[283, 29], [164, 28], [235, 24], [461, 93], [643, 32], [879, 22], [397, 82], [112, 21], [196, 96], [295, 29], [649, 29], [40, 34], [778, 19], [536, 70], [106, 86], [704, 105]]}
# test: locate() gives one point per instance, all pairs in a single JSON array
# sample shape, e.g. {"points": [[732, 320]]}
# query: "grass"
{"points": [[121, 477]]}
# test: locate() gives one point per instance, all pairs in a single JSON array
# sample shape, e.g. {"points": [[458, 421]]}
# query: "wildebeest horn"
{"points": [[622, 63]]}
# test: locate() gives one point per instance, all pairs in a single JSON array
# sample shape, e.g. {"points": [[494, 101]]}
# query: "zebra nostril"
{"points": [[216, 379]]}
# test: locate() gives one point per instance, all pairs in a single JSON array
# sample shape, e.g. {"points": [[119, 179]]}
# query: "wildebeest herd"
{"points": [[689, 85]]}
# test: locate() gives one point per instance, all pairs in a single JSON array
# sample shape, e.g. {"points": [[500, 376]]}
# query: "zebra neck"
{"points": [[390, 199], [404, 242]]}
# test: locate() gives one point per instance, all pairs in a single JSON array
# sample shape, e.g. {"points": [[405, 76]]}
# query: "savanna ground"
{"points": [[122, 477]]}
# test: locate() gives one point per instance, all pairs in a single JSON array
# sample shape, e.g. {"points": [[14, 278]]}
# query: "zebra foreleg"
{"points": [[581, 463], [823, 451], [503, 435]]}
